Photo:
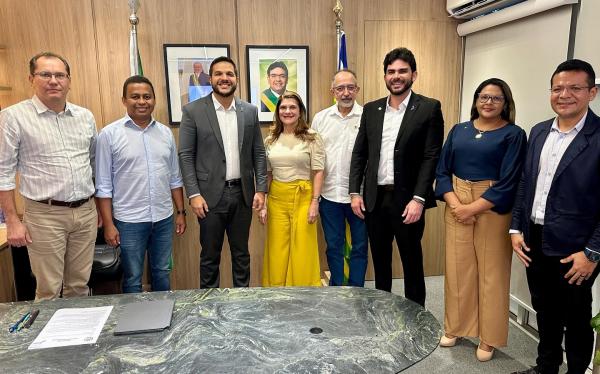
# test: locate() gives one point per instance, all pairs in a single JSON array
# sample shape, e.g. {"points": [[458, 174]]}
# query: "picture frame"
{"points": [[186, 74], [289, 71]]}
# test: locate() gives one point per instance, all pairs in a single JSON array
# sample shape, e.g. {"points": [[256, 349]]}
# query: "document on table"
{"points": [[72, 326]]}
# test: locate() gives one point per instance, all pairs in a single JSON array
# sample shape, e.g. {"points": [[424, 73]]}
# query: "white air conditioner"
{"points": [[484, 14]]}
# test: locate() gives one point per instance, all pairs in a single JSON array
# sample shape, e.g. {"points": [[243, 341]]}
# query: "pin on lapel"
{"points": [[379, 108], [412, 107]]}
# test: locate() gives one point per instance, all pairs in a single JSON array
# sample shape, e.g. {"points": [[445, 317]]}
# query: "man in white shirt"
{"points": [[137, 181], [51, 143], [338, 126]]}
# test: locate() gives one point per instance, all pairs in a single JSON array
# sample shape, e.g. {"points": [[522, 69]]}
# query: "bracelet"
{"points": [[181, 212], [317, 198]]}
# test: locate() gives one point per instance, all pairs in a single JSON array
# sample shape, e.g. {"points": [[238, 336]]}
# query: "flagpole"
{"points": [[337, 9], [134, 63]]}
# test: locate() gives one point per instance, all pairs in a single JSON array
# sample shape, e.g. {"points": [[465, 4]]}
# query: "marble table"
{"points": [[243, 330]]}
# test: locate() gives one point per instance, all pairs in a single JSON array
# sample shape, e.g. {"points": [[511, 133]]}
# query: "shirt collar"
{"points": [[403, 104], [129, 122], [577, 127], [355, 111], [219, 106], [42, 108]]}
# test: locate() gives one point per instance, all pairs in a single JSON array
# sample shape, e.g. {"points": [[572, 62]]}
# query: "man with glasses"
{"points": [[338, 126], [51, 143], [555, 229], [396, 152], [277, 76]]}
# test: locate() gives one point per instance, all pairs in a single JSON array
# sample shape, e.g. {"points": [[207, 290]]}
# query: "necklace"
{"points": [[480, 134]]}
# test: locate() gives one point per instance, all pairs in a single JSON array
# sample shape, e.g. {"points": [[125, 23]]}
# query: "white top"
{"points": [[391, 126], [554, 148], [290, 158], [229, 132], [339, 134], [53, 152]]}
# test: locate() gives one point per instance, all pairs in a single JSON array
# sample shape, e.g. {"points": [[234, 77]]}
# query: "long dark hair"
{"points": [[508, 110], [302, 128]]}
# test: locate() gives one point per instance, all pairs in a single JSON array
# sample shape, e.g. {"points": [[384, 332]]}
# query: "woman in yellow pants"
{"points": [[296, 159]]}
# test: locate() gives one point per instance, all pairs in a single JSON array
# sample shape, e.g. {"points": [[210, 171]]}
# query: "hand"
{"points": [[180, 224], [100, 223], [412, 212], [358, 206], [111, 235], [259, 201], [463, 213], [262, 215], [17, 234], [199, 206], [313, 211], [582, 268], [519, 246]]}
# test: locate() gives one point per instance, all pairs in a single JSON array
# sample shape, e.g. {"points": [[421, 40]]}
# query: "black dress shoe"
{"points": [[531, 370]]}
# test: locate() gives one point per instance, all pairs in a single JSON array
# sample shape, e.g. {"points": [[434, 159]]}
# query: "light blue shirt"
{"points": [[137, 168]]}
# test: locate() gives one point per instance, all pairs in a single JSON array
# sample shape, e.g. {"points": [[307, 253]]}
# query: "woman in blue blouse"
{"points": [[477, 177]]}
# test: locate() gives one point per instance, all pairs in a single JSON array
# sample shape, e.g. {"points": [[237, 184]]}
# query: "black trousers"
{"points": [[383, 224], [562, 309], [233, 216]]}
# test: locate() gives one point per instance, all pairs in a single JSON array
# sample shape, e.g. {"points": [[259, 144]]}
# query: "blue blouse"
{"points": [[497, 155]]}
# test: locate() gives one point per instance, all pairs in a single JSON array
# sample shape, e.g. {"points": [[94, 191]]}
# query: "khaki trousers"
{"points": [[477, 277], [62, 248]]}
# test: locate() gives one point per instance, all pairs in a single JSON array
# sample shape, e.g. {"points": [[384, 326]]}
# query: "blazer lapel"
{"points": [[577, 145], [411, 110], [239, 109], [213, 121], [378, 122], [538, 144]]}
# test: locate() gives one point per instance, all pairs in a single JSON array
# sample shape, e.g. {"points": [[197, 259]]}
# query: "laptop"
{"points": [[145, 316]]}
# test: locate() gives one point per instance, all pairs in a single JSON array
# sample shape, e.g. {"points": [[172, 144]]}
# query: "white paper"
{"points": [[72, 326]]}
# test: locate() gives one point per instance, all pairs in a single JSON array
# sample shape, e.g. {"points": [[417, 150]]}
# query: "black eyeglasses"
{"points": [[484, 98]]}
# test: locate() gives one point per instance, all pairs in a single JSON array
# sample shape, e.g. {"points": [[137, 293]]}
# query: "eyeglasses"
{"points": [[46, 75], [484, 98], [341, 89], [557, 90]]}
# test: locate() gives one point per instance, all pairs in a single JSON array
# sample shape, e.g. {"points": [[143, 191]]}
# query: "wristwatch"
{"points": [[591, 255], [181, 212]]}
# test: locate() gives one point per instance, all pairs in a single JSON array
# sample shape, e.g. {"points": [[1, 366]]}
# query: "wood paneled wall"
{"points": [[94, 36]]}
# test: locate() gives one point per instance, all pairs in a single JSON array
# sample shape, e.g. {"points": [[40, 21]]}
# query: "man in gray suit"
{"points": [[221, 154]]}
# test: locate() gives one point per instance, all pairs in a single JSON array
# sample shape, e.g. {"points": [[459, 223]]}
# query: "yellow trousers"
{"points": [[291, 251], [477, 277]]}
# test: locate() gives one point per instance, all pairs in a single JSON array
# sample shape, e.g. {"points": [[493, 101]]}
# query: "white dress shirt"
{"points": [[338, 134], [229, 132], [53, 152], [391, 126]]}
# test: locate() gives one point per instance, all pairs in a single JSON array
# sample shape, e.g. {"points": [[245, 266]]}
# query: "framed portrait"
{"points": [[186, 72], [272, 70]]}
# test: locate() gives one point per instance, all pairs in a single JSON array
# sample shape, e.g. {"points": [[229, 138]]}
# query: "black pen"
{"points": [[32, 318]]}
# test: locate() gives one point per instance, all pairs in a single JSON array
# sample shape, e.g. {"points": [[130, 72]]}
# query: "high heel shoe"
{"points": [[483, 355], [448, 342]]}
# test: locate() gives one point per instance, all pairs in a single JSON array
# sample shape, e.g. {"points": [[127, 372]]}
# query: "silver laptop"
{"points": [[145, 316]]}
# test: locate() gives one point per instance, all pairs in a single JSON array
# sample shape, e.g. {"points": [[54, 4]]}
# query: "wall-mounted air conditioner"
{"points": [[484, 14]]}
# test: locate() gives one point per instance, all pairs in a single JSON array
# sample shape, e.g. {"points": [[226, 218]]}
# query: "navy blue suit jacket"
{"points": [[572, 216]]}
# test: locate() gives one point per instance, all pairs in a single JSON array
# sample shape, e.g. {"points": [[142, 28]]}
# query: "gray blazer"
{"points": [[202, 155]]}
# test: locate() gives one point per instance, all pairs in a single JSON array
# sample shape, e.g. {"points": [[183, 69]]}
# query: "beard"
{"points": [[407, 85], [224, 92]]}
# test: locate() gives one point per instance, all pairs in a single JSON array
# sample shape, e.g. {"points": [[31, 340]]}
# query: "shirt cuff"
{"points": [[513, 231], [418, 198], [194, 195]]}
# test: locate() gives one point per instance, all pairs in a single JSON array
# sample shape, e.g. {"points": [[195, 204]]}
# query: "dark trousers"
{"points": [[233, 216], [383, 224], [561, 308]]}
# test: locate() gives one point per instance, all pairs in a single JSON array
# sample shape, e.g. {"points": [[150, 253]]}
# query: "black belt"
{"points": [[69, 204], [233, 182], [386, 187]]}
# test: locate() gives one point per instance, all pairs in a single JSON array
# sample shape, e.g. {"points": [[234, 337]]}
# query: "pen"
{"points": [[14, 327], [32, 318]]}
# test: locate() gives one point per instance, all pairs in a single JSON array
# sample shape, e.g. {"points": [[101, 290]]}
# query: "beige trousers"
{"points": [[62, 248], [477, 277]]}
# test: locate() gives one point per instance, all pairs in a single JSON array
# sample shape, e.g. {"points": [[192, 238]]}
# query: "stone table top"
{"points": [[242, 330]]}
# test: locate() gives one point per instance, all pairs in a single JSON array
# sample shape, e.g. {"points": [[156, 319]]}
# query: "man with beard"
{"points": [[221, 153], [338, 126], [396, 152]]}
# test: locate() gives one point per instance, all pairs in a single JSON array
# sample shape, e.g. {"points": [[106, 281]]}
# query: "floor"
{"points": [[518, 355]]}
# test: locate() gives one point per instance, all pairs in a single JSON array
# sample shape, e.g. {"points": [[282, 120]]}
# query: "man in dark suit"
{"points": [[396, 152], [221, 154], [277, 77], [199, 77], [555, 229]]}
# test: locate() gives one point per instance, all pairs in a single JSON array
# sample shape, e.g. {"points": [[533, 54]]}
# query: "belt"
{"points": [[233, 182], [69, 204], [386, 187]]}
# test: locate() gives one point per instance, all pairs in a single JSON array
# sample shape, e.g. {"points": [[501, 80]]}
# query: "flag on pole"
{"points": [[135, 62], [342, 57]]}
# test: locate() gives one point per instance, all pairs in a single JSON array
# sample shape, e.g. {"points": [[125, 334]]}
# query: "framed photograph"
{"points": [[272, 70], [186, 71]]}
